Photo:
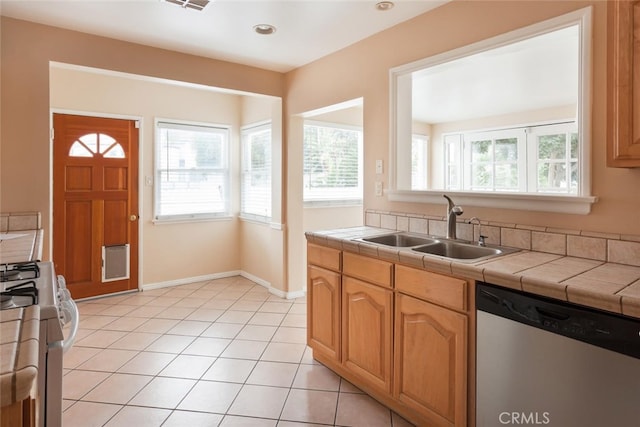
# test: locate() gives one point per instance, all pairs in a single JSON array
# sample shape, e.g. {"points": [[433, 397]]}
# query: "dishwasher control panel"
{"points": [[600, 328]]}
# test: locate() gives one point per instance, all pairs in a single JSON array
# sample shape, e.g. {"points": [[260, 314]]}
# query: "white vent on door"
{"points": [[115, 262]]}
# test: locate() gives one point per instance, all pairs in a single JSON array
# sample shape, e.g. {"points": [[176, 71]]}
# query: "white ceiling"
{"points": [[533, 74], [306, 29]]}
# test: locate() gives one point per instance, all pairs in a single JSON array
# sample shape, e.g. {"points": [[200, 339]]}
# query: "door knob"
{"points": [[133, 217]]}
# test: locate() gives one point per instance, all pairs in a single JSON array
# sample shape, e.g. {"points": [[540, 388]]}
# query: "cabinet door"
{"points": [[323, 317], [623, 114], [430, 374], [367, 312]]}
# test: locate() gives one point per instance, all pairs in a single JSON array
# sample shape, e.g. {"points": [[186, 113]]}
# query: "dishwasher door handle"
{"points": [[557, 315]]}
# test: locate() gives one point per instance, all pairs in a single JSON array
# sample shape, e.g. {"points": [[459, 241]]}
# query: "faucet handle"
{"points": [[481, 237], [452, 206]]}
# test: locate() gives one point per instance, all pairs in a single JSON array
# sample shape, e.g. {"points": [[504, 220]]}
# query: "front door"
{"points": [[95, 204]]}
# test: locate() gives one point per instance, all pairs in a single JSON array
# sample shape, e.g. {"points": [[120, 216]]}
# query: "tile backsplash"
{"points": [[616, 248], [16, 221]]}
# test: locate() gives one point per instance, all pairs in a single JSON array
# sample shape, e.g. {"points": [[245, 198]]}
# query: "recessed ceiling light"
{"points": [[384, 5], [264, 29]]}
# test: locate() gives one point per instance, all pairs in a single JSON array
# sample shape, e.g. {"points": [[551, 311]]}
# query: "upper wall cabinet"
{"points": [[623, 119]]}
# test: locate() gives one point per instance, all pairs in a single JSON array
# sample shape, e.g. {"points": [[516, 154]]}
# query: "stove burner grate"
{"points": [[18, 271], [25, 289]]}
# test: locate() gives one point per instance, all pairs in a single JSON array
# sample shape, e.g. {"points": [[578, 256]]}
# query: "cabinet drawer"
{"points": [[324, 257], [443, 290], [368, 269]]}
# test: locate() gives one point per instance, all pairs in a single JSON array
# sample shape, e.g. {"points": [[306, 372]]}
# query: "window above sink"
{"points": [[502, 123]]}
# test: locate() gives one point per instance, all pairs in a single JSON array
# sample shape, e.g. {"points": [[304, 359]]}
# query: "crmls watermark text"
{"points": [[524, 418]]}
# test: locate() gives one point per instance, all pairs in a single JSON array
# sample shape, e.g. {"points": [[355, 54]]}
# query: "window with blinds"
{"points": [[332, 164], [191, 171], [255, 188]]}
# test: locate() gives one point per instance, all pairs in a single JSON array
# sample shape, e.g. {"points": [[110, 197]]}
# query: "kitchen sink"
{"points": [[461, 251], [404, 240], [457, 250]]}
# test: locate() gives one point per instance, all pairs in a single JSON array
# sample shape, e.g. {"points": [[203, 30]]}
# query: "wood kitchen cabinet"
{"points": [[367, 316], [431, 361], [19, 414], [323, 299], [431, 345], [367, 312], [623, 83], [402, 334]]}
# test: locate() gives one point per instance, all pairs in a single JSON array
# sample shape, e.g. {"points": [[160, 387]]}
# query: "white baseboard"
{"points": [[207, 277], [256, 279], [275, 291], [188, 280]]}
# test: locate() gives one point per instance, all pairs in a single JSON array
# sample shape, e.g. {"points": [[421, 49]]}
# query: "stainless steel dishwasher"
{"points": [[546, 362]]}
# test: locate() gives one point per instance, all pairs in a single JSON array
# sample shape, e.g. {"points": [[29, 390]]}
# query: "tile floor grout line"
{"points": [[266, 331]]}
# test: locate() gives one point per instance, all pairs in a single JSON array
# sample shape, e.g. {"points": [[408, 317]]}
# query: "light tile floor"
{"points": [[219, 353]]}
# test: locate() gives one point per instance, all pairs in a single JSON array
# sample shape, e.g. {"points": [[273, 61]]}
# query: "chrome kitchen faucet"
{"points": [[453, 210]]}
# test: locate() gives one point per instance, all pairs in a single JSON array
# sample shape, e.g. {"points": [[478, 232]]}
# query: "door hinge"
{"points": [[137, 123], [52, 133]]}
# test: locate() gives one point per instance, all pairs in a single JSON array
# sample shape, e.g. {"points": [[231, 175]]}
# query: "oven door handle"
{"points": [[70, 310]]}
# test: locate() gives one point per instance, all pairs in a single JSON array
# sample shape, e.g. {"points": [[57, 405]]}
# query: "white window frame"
{"points": [[400, 119], [247, 172], [527, 156], [333, 196], [453, 161], [225, 130], [467, 165], [420, 175], [532, 142]]}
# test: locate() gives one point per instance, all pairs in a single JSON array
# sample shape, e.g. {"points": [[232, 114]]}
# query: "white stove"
{"points": [[28, 283]]}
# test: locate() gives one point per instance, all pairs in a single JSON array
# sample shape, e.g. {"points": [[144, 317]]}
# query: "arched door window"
{"points": [[92, 143]]}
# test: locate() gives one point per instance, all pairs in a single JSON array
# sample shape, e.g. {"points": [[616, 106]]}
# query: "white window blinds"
{"points": [[255, 197], [332, 163], [191, 171]]}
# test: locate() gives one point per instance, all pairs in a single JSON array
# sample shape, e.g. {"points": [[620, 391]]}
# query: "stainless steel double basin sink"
{"points": [[440, 247]]}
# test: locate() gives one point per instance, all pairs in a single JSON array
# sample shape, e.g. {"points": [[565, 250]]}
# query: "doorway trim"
{"points": [[141, 175]]}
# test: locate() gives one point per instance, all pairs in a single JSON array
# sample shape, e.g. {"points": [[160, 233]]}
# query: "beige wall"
{"points": [[262, 245], [177, 251], [362, 70], [169, 251], [26, 52]]}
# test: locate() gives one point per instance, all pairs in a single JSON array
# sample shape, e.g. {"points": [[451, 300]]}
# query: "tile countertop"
{"points": [[20, 246], [19, 332], [606, 286]]}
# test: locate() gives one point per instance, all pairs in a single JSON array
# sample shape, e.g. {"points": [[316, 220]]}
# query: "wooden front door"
{"points": [[95, 204]]}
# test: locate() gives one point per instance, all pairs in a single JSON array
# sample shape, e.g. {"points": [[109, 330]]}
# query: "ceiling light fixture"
{"points": [[264, 29], [384, 5]]}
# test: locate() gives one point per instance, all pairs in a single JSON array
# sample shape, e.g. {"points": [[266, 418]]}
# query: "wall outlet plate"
{"points": [[378, 188], [378, 166]]}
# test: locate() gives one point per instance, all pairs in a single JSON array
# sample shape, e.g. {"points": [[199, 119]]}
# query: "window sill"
{"points": [[332, 203], [190, 220], [530, 202], [256, 219]]}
